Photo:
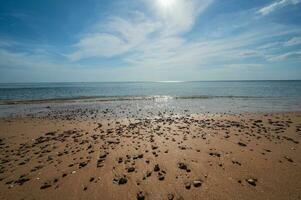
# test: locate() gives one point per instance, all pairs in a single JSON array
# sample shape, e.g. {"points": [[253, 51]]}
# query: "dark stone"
{"points": [[22, 180], [156, 168], [241, 144], [46, 185], [122, 180], [131, 169], [252, 181], [197, 183], [187, 185], [140, 196]]}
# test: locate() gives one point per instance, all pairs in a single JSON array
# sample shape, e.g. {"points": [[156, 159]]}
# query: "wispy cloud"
{"points": [[294, 41], [140, 33], [117, 37], [277, 5], [155, 42], [294, 55]]}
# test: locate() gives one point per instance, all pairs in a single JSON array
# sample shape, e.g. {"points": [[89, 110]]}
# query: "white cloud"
{"points": [[143, 34], [277, 5], [294, 55], [280, 44], [294, 41], [117, 37]]}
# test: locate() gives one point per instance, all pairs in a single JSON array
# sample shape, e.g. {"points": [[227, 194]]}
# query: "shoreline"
{"points": [[124, 98], [150, 106]]}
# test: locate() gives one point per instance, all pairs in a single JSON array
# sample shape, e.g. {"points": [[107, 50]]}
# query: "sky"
{"points": [[149, 40]]}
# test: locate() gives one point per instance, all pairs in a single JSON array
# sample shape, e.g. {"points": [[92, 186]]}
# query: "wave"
{"points": [[157, 98]]}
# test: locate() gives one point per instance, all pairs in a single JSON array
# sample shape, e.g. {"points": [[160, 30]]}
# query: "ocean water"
{"points": [[178, 97], [202, 89]]}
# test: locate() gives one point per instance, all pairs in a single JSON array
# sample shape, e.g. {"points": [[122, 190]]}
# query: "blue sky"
{"points": [[149, 40]]}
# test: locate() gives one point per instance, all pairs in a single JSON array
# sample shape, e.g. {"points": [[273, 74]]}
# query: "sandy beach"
{"points": [[188, 156], [150, 100]]}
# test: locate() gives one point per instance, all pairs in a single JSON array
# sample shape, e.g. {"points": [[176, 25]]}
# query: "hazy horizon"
{"points": [[172, 81], [143, 40]]}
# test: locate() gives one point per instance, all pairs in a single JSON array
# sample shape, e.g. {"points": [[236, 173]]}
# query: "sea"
{"points": [[195, 96]]}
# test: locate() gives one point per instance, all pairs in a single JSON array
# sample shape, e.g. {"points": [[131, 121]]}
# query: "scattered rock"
{"points": [[140, 196], [156, 168], [197, 183], [187, 185], [241, 144], [288, 159], [45, 185], [131, 169], [251, 181]]}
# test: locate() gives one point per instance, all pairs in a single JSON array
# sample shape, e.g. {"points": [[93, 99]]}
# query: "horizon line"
{"points": [[163, 81]]}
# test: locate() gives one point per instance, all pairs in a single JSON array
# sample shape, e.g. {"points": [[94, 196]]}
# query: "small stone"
{"points": [[241, 144], [148, 173], [197, 183], [45, 185], [182, 166], [22, 180], [131, 169], [82, 164], [156, 168], [103, 155], [161, 177], [252, 181], [187, 185], [288, 159], [122, 180], [140, 196]]}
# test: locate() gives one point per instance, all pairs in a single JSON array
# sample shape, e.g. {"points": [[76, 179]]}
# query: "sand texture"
{"points": [[204, 156]]}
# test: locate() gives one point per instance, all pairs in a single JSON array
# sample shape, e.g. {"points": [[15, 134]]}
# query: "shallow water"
{"points": [[150, 98], [206, 89]]}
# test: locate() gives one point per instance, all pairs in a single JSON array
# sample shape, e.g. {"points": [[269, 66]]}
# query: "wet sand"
{"points": [[201, 156]]}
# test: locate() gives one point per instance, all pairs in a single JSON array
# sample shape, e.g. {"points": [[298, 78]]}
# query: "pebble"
{"points": [[140, 196], [197, 183], [187, 185], [252, 181], [156, 168]]}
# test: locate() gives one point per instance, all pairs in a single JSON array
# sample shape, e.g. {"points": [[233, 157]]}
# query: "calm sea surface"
{"points": [[177, 97], [212, 89]]}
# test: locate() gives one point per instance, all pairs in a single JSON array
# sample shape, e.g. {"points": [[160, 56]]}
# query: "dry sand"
{"points": [[206, 156]]}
